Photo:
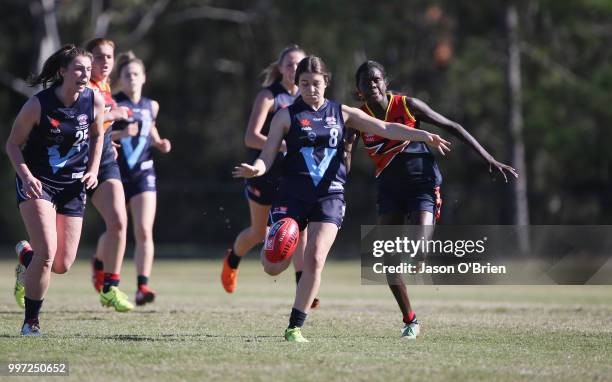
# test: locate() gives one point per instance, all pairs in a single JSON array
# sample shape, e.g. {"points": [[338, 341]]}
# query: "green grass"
{"points": [[195, 331]]}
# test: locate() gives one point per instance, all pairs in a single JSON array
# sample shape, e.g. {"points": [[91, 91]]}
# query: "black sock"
{"points": [[110, 279], [233, 260], [98, 264], [142, 281], [26, 259], [32, 308], [298, 276], [297, 318]]}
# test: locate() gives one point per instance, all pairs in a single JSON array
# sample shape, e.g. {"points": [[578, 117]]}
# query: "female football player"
{"points": [[312, 185], [108, 196], [55, 146], [407, 174], [137, 136], [279, 92]]}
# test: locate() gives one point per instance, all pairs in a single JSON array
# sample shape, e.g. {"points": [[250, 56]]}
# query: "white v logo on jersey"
{"points": [[317, 170], [56, 161]]}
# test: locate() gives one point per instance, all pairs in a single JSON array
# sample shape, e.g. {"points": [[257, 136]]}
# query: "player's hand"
{"points": [[245, 170], [115, 152], [502, 168], [90, 179], [436, 142], [123, 112], [32, 187], [164, 146], [131, 130]]}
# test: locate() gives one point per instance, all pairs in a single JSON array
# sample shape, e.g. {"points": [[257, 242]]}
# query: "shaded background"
{"points": [[530, 80]]}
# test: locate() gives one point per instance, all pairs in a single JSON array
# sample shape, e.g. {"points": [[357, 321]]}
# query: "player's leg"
{"points": [[394, 280], [142, 208], [284, 208], [298, 263], [39, 218], [425, 221], [321, 236], [275, 269], [109, 200], [68, 237], [243, 243]]}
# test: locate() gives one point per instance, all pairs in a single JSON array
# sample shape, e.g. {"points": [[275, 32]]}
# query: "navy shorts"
{"points": [[144, 182], [68, 199], [262, 189], [328, 209], [107, 171], [407, 198]]}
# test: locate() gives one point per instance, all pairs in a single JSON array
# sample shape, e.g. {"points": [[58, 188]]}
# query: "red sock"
{"points": [[409, 317]]}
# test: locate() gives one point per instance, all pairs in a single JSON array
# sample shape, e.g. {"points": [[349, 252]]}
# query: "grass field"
{"points": [[195, 331]]}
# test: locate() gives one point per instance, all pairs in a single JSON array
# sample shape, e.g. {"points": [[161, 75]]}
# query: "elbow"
{"points": [[249, 140]]}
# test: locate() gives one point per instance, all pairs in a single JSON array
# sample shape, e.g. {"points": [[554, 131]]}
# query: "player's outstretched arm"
{"points": [[359, 120], [28, 116], [278, 128], [424, 113]]}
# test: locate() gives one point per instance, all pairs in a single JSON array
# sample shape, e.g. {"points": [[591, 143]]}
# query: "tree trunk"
{"points": [[517, 144]]}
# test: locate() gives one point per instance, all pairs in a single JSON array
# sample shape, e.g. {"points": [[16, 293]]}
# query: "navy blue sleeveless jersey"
{"points": [[314, 165], [263, 189], [135, 152], [57, 149], [282, 99], [108, 155]]}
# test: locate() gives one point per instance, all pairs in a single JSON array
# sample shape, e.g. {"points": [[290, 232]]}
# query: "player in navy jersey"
{"points": [[279, 92], [137, 136], [314, 172], [108, 196], [60, 129], [407, 175]]}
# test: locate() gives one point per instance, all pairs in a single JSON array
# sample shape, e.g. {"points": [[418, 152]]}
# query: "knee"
{"points": [[143, 234], [116, 224], [44, 254], [271, 270], [60, 268], [315, 264], [258, 234], [274, 269]]}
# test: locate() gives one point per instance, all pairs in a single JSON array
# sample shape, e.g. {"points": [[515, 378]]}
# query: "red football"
{"points": [[282, 240]]}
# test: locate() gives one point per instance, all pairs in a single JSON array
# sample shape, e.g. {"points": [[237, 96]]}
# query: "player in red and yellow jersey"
{"points": [[407, 174], [108, 197]]}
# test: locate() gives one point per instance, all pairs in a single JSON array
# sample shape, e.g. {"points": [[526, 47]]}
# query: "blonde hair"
{"points": [[124, 59], [272, 73]]}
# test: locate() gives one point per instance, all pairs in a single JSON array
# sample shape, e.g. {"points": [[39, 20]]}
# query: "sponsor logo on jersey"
{"points": [[55, 123], [312, 136], [331, 120], [332, 126], [280, 210], [82, 119], [317, 119], [336, 186], [306, 128], [304, 122]]}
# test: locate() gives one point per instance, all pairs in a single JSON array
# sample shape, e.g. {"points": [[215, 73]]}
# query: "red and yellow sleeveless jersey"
{"points": [[382, 150], [105, 90]]}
